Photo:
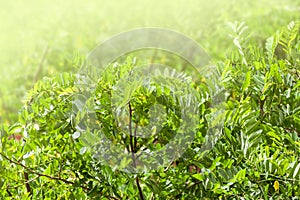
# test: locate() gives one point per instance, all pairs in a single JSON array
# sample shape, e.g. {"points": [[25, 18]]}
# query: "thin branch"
{"points": [[274, 177], [41, 174], [131, 137], [139, 187], [9, 193], [16, 186], [44, 175], [133, 146], [28, 188], [135, 140]]}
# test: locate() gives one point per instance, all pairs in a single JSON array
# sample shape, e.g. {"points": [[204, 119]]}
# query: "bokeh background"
{"points": [[41, 38]]}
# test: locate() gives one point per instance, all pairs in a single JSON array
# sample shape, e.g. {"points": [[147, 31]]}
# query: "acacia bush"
{"points": [[256, 157]]}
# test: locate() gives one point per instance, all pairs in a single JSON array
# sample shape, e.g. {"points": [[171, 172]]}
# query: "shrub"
{"points": [[256, 157]]}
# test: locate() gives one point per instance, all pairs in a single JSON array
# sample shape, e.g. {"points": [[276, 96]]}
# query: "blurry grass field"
{"points": [[41, 38]]}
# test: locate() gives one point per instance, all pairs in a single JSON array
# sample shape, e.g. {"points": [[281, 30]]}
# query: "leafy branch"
{"points": [[41, 174]]}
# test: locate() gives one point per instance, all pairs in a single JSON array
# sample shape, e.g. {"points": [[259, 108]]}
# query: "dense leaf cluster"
{"points": [[256, 157]]}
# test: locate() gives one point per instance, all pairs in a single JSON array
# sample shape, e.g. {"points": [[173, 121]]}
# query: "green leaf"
{"points": [[240, 176], [198, 177], [295, 170], [247, 81]]}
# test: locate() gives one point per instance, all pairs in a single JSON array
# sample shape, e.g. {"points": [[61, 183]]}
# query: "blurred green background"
{"points": [[41, 38]]}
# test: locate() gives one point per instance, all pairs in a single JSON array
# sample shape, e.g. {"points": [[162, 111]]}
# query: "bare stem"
{"points": [[133, 143]]}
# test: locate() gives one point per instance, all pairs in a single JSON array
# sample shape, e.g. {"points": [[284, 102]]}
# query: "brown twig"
{"points": [[133, 146], [27, 183], [131, 137]]}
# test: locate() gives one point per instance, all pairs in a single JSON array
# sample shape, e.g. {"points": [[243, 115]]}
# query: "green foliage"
{"points": [[73, 25], [258, 150]]}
